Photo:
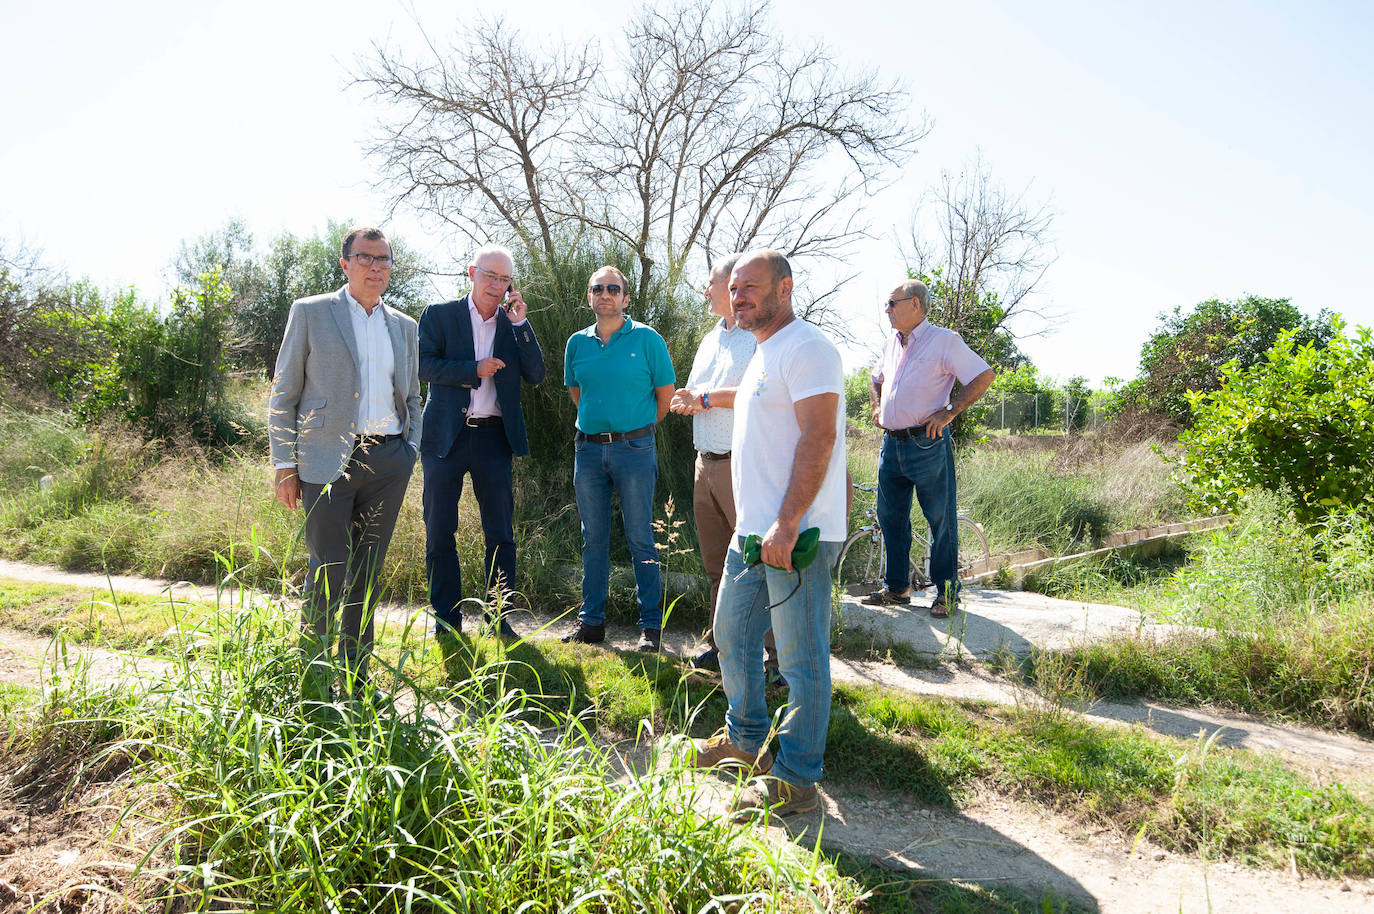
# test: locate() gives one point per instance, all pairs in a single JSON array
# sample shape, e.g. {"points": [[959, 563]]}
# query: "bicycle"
{"points": [[859, 567]]}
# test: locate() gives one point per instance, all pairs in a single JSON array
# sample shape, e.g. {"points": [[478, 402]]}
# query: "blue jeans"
{"points": [[630, 468], [927, 465], [801, 626]]}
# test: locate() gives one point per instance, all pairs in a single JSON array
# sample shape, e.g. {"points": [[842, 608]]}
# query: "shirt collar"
{"points": [[472, 309], [916, 333], [624, 328], [353, 303]]}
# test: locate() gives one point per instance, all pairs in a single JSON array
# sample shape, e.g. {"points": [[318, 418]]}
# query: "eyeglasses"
{"points": [[500, 278], [892, 302], [613, 288], [367, 260]]}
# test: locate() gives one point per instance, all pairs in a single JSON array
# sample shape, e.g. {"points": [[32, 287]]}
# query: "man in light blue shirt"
{"points": [[620, 376]]}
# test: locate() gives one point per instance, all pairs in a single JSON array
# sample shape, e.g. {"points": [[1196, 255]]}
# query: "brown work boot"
{"points": [[718, 752], [771, 795]]}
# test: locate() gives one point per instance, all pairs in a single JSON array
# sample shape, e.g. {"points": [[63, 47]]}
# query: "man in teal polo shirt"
{"points": [[621, 378]]}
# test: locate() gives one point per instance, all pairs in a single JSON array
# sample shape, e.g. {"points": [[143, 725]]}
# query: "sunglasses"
{"points": [[613, 288]]}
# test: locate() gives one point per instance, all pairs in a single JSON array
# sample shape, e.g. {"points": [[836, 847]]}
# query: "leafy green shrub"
{"points": [[1302, 419], [1189, 352]]}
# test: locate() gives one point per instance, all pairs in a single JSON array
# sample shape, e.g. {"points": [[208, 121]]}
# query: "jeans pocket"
{"points": [[645, 443]]}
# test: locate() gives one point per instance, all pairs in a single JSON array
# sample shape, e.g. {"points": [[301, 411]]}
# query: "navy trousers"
{"points": [[484, 454]]}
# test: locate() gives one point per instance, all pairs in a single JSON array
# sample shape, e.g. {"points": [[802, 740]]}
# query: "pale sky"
{"points": [[1190, 150]]}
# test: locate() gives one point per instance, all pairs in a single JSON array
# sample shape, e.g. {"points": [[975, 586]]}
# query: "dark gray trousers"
{"points": [[348, 527]]}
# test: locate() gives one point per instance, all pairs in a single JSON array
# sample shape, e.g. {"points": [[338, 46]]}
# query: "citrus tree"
{"points": [[1302, 419]]}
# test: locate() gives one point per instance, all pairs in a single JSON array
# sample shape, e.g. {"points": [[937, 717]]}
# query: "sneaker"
{"points": [[649, 640], [771, 795], [718, 752], [586, 634], [773, 678], [708, 659]]}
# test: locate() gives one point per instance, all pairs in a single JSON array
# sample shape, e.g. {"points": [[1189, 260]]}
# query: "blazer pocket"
{"points": [[311, 414]]}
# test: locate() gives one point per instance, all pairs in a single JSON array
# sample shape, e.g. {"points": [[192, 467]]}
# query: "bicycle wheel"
{"points": [[920, 558], [859, 568], [974, 555]]}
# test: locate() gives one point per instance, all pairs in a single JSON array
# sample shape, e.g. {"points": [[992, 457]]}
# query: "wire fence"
{"points": [[1038, 411]]}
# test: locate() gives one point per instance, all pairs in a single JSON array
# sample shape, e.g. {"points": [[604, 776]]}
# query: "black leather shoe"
{"points": [[649, 639], [506, 633], [708, 659], [586, 634]]}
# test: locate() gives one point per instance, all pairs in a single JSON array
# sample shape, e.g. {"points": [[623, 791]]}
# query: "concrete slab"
{"points": [[994, 622]]}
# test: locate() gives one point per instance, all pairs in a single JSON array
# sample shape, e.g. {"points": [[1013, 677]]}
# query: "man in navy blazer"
{"points": [[474, 352]]}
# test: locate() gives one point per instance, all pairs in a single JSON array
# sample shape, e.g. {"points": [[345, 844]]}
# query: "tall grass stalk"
{"points": [[455, 798]]}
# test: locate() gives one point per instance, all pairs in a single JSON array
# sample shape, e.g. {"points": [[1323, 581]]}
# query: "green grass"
{"points": [[121, 621], [460, 803], [1055, 493], [937, 752], [1283, 615]]}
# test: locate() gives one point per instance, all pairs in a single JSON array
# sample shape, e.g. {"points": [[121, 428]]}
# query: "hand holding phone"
{"points": [[514, 305]]}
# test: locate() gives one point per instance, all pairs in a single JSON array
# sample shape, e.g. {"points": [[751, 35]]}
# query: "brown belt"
{"points": [[707, 455]]}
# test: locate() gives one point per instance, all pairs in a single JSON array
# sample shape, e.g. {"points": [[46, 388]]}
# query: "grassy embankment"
{"points": [[1282, 617], [1183, 795]]}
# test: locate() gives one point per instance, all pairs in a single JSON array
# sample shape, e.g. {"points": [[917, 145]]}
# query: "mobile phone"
{"points": [[510, 287]]}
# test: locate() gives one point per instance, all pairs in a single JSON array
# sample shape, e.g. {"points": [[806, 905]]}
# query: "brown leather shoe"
{"points": [[718, 752], [887, 597]]}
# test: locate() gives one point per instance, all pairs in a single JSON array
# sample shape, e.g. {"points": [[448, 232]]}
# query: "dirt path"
{"points": [[992, 840]]}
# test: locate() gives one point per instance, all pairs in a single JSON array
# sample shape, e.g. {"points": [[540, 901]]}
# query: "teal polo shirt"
{"points": [[617, 379]]}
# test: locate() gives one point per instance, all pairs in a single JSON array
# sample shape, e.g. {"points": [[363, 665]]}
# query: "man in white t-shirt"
{"points": [[709, 398], [789, 475]]}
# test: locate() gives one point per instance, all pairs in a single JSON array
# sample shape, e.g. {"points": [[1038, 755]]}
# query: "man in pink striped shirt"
{"points": [[910, 394]]}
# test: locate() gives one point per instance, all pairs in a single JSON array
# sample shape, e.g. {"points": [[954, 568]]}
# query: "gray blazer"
{"points": [[314, 406]]}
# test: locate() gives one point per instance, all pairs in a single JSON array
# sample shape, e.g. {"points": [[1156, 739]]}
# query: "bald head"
{"points": [[761, 293], [775, 262]]}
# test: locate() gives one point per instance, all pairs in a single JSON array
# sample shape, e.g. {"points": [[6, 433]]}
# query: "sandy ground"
{"points": [[993, 840]]}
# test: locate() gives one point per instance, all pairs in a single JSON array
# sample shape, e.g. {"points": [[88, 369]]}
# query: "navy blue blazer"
{"points": [[448, 362]]}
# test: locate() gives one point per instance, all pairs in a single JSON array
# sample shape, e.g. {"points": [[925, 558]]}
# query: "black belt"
{"points": [[608, 437], [914, 431], [372, 440], [483, 421], [707, 455]]}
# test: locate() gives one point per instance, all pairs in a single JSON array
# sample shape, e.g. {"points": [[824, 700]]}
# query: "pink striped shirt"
{"points": [[918, 377]]}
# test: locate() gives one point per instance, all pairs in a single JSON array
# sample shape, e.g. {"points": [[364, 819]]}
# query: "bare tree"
{"points": [[480, 136], [706, 136], [983, 251]]}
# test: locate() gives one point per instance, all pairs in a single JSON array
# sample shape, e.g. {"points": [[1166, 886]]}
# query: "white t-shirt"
{"points": [[795, 363]]}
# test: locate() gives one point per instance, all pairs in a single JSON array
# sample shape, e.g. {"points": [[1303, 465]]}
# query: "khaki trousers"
{"points": [[713, 505]]}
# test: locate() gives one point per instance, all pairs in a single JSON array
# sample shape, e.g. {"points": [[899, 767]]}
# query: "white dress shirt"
{"points": [[483, 400], [376, 371]]}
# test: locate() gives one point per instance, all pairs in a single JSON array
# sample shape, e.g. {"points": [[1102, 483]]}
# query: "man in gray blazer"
{"points": [[344, 420]]}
